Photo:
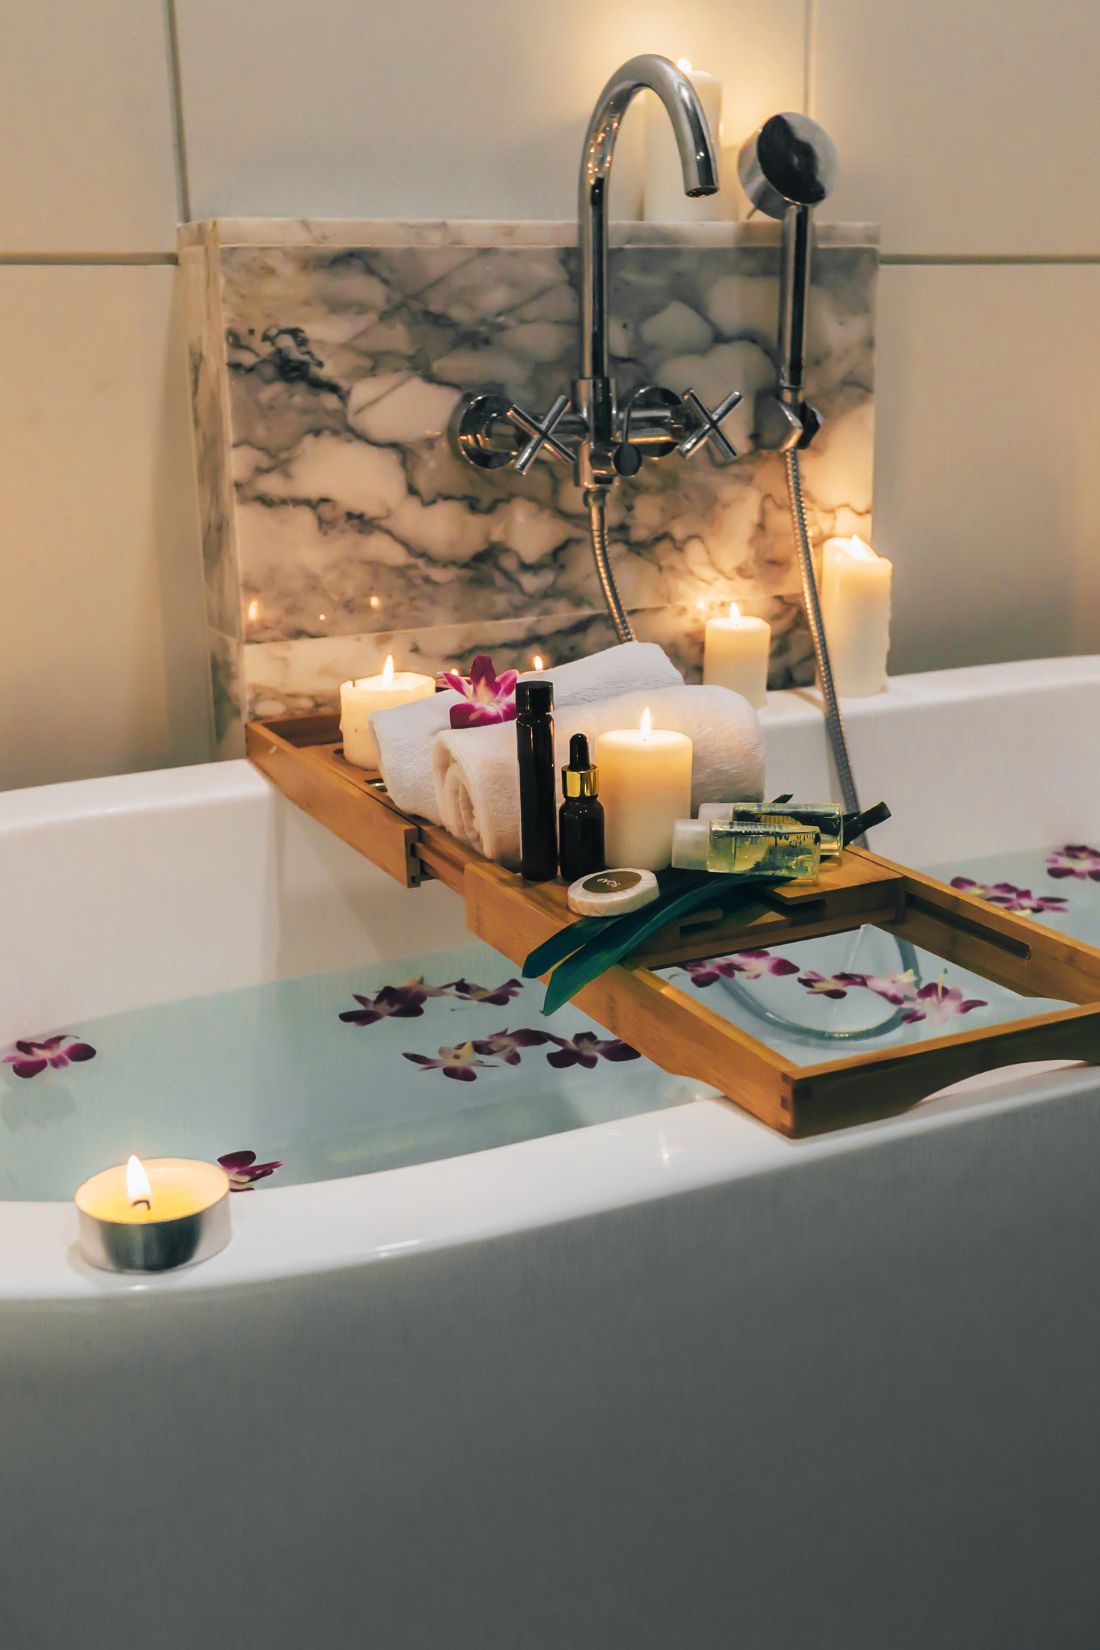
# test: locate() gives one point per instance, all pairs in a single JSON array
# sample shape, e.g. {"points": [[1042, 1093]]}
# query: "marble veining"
{"points": [[338, 524]]}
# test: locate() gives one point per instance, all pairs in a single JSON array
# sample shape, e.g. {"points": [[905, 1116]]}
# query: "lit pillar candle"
{"points": [[855, 607], [664, 198], [645, 787], [359, 699], [735, 654], [153, 1216]]}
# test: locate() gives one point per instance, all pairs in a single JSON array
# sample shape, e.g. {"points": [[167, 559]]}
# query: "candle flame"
{"points": [[375, 601], [647, 726], [861, 551], [387, 670], [735, 610], [138, 1189], [537, 662], [253, 611]]}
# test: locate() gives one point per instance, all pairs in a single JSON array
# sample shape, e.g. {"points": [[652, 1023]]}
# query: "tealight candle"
{"points": [[358, 699], [735, 654], [855, 608], [153, 1216], [664, 198], [645, 787]]}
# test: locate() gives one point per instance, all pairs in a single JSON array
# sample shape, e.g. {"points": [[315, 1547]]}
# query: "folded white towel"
{"points": [[477, 777], [405, 733]]}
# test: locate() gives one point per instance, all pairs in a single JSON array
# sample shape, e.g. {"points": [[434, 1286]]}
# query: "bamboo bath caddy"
{"points": [[303, 756]]}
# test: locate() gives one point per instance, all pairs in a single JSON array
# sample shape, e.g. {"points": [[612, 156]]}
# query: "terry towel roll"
{"points": [[477, 780], [405, 733]]}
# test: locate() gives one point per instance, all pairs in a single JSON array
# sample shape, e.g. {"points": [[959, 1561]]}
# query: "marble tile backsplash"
{"points": [[339, 526]]}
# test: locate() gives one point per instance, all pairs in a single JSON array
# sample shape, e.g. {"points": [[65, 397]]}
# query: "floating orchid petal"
{"points": [[894, 988], [751, 965], [496, 996], [826, 985], [393, 1002], [461, 1062], [937, 1003], [1007, 897], [1076, 859], [505, 1045], [28, 1056], [587, 1048], [244, 1171]]}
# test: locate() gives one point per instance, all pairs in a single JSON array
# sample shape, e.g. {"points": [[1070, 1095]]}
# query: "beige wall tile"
{"points": [[430, 110], [964, 125], [985, 465], [86, 128], [102, 645]]}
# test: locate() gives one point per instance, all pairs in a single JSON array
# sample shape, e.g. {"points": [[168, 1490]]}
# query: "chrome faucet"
{"points": [[587, 429]]}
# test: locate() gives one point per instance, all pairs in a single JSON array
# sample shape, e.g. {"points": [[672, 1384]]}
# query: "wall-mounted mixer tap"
{"points": [[588, 428]]}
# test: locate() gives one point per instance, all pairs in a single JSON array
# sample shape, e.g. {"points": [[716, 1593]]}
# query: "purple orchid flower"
{"points": [[894, 988], [1076, 859], [244, 1171], [497, 996], [937, 1003], [827, 985], [488, 697], [393, 1002], [460, 1062], [505, 1045], [751, 965], [28, 1057], [1008, 897], [587, 1048]]}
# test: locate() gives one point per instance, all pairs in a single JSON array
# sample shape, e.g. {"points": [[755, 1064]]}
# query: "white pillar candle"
{"points": [[735, 654], [645, 787], [370, 693], [855, 607], [663, 197]]}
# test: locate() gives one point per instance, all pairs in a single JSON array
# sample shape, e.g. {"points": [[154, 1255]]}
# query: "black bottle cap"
{"points": [[535, 698], [578, 752]]}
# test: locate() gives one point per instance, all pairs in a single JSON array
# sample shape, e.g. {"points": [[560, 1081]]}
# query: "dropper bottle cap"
{"points": [[581, 777]]}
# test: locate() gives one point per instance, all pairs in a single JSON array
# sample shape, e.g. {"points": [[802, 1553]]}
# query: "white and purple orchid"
{"points": [[488, 697], [506, 1045], [937, 1003], [1076, 859], [750, 965], [828, 985], [461, 1062], [244, 1171], [587, 1048], [1008, 897], [29, 1056]]}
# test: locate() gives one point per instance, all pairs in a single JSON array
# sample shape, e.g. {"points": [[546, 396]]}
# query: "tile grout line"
{"points": [[179, 142], [986, 260], [78, 260], [809, 53]]}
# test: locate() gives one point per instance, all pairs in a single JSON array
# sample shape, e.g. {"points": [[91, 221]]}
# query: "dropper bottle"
{"points": [[580, 818]]}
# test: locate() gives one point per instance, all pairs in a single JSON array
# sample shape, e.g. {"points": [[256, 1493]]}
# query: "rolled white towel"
{"points": [[405, 733], [477, 776]]}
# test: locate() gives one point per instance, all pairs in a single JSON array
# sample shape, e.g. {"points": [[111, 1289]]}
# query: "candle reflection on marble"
{"points": [[645, 787], [153, 1216], [359, 699]]}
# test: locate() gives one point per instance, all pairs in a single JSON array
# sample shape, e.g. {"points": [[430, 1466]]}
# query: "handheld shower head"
{"points": [[787, 168], [790, 161]]}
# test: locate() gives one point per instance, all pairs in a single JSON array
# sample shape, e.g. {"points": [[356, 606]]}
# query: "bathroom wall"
{"points": [[968, 131]]}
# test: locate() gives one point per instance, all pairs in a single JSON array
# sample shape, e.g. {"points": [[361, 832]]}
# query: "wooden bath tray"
{"points": [[304, 758]]}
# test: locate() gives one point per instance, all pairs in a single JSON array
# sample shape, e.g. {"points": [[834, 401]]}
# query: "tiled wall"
{"points": [[968, 130]]}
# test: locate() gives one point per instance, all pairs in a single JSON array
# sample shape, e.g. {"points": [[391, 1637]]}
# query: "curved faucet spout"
{"points": [[647, 72]]}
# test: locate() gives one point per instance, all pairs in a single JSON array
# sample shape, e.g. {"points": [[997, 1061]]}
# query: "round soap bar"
{"points": [[611, 893]]}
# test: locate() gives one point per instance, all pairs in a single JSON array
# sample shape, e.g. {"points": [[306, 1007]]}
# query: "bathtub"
{"points": [[665, 1381]]}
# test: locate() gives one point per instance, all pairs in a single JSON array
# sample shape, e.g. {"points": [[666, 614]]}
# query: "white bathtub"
{"points": [[672, 1381]]}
